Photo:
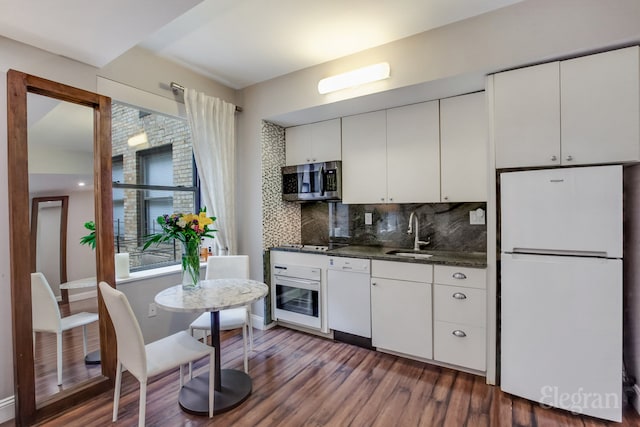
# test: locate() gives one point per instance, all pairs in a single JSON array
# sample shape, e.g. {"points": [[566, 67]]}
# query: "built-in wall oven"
{"points": [[297, 295]]}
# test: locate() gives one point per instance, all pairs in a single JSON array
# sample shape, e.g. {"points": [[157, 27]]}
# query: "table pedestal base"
{"points": [[92, 358], [194, 396]]}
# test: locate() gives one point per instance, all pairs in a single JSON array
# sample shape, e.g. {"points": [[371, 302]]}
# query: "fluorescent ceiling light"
{"points": [[353, 78], [81, 184], [138, 139]]}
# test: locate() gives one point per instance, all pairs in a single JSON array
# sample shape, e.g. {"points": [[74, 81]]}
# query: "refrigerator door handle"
{"points": [[536, 251]]}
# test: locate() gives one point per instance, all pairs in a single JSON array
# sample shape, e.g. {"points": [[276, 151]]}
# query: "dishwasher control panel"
{"points": [[357, 265]]}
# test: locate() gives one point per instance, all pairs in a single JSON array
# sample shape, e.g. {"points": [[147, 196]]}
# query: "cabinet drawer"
{"points": [[402, 271], [467, 350], [460, 276], [459, 305]]}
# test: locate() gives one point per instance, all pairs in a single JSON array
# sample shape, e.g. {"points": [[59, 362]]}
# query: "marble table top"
{"points": [[212, 295], [86, 282]]}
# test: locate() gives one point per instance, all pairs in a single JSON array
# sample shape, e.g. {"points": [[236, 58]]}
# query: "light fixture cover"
{"points": [[137, 139], [353, 78]]}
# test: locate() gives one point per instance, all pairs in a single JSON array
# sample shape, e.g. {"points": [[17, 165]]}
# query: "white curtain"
{"points": [[212, 123]]}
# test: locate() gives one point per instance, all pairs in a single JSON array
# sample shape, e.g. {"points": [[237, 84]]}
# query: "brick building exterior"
{"points": [[161, 131]]}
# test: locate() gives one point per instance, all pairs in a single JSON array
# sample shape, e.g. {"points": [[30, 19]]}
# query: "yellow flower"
{"points": [[203, 219]]}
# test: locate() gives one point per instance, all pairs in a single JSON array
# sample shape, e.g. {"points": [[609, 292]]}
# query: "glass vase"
{"points": [[190, 264]]}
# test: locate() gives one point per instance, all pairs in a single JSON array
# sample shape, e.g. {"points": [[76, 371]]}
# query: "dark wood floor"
{"points": [[303, 380]]}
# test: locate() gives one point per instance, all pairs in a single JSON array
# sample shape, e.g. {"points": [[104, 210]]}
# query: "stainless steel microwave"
{"points": [[313, 181]]}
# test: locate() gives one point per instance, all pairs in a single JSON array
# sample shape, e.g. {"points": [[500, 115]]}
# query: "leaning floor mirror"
{"points": [[59, 176]]}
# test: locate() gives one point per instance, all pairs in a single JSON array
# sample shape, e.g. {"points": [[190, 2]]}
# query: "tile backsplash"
{"points": [[445, 225]]}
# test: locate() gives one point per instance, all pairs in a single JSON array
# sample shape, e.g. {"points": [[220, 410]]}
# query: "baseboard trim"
{"points": [[7, 409], [636, 398], [258, 323]]}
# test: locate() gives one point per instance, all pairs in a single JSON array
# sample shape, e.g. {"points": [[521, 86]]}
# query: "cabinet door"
{"points": [[601, 107], [297, 145], [401, 316], [364, 158], [527, 116], [326, 141], [463, 148], [413, 153]]}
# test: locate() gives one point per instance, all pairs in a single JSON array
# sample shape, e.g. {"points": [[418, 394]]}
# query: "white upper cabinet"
{"points": [[601, 107], [527, 116], [313, 143], [413, 153], [574, 112], [364, 158], [392, 156], [463, 148]]}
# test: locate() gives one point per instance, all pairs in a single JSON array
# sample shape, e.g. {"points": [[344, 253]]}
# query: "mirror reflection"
{"points": [[60, 158]]}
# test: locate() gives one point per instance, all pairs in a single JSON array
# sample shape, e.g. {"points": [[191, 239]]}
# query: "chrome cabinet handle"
{"points": [[459, 276], [382, 199], [554, 158], [391, 199], [446, 198], [569, 158], [459, 295], [373, 283], [458, 333]]}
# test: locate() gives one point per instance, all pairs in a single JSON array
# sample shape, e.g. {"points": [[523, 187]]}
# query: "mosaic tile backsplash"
{"points": [[445, 225]]}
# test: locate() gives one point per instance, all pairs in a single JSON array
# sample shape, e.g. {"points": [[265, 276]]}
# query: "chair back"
{"points": [[131, 350], [227, 267], [45, 313]]}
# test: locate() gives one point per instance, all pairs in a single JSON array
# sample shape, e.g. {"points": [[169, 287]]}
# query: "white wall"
{"points": [[448, 60], [443, 62], [34, 61], [137, 69]]}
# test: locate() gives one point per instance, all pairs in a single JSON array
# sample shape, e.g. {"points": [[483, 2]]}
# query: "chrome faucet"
{"points": [[416, 242]]}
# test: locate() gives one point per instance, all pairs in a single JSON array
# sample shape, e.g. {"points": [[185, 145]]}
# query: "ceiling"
{"points": [[236, 42]]}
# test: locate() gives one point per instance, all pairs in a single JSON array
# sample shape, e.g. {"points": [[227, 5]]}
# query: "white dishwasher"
{"points": [[349, 296]]}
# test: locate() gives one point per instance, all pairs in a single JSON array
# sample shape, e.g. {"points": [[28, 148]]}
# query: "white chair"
{"points": [[227, 267], [144, 361], [45, 315]]}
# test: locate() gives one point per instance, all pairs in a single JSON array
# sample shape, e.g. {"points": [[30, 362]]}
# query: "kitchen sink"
{"points": [[410, 254]]}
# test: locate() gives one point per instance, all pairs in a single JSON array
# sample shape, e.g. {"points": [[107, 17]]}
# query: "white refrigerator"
{"points": [[561, 288]]}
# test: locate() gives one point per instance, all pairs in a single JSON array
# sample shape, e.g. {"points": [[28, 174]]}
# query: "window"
{"points": [[153, 174]]}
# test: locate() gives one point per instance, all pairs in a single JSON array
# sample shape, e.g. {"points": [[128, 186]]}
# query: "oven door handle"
{"points": [[298, 283]]}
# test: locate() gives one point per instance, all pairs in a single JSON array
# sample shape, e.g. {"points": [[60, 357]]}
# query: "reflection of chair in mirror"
{"points": [[227, 267], [46, 317], [144, 361]]}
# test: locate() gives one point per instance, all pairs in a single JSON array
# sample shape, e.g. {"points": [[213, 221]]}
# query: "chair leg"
{"points": [[59, 356], [244, 344], [250, 325], [190, 363], [143, 403], [182, 374], [212, 374], [34, 344], [116, 391], [84, 340]]}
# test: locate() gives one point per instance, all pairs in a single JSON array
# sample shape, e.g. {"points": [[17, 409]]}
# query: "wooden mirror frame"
{"points": [[18, 85], [64, 214]]}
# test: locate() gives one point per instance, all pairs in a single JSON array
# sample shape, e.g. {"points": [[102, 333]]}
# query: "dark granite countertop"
{"points": [[458, 259]]}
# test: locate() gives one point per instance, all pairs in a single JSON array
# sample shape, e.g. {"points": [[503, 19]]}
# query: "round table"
{"points": [[232, 387], [92, 358]]}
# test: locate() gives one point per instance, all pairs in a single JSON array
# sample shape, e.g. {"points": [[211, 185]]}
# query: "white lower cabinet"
{"points": [[459, 311], [459, 344], [401, 317]]}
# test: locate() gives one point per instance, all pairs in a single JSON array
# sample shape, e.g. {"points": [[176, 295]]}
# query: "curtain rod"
{"points": [[177, 88]]}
